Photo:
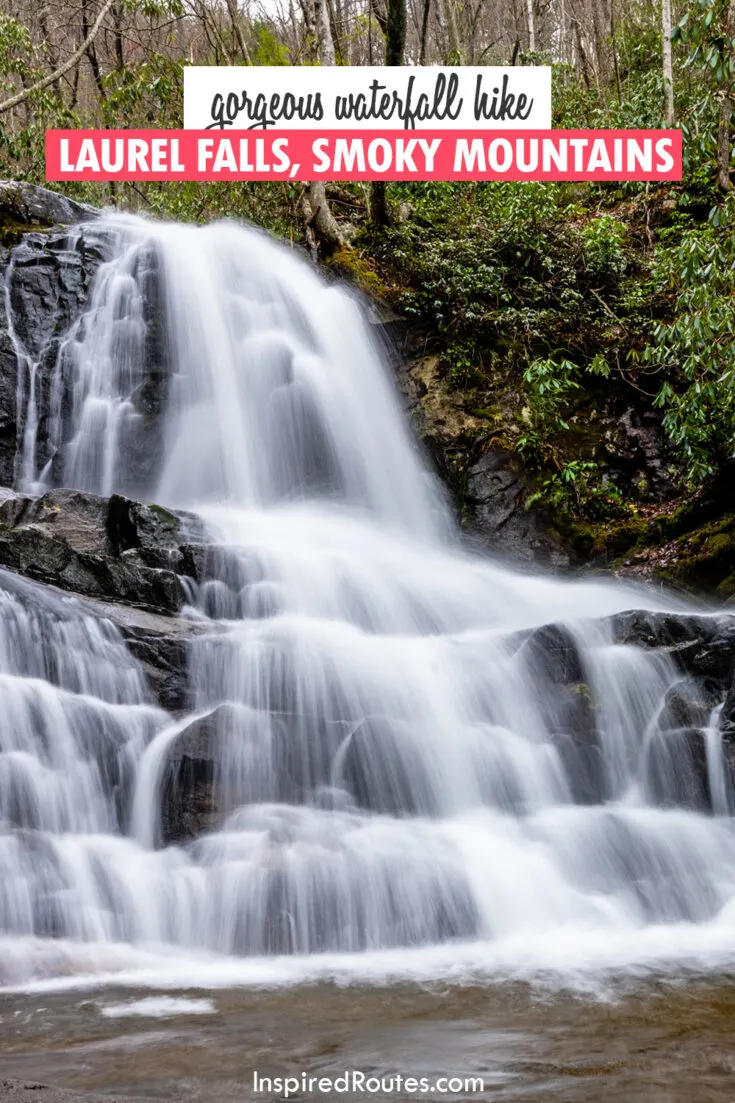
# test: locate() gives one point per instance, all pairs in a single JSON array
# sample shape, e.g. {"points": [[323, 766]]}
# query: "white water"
{"points": [[399, 765]]}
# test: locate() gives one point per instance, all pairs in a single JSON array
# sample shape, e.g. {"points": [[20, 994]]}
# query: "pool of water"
{"points": [[651, 1039]]}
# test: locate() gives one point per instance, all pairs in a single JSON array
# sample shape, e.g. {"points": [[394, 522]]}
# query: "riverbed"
{"points": [[651, 1039]]}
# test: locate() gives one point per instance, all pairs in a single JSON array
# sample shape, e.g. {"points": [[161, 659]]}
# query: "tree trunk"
{"points": [[531, 27], [321, 226], [668, 70], [727, 106], [395, 34], [324, 34], [614, 44], [424, 32], [237, 31], [395, 47], [308, 13]]}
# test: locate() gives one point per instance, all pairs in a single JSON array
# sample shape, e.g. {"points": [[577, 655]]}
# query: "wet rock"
{"points": [[701, 646], [387, 770], [189, 801], [551, 653], [497, 499], [115, 548], [567, 707], [31, 205], [688, 704], [48, 278], [676, 769]]}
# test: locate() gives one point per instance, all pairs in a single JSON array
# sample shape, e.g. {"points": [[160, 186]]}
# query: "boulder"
{"points": [[567, 707], [48, 278], [160, 642], [496, 500], [676, 769], [702, 646], [30, 205], [190, 801], [115, 548]]}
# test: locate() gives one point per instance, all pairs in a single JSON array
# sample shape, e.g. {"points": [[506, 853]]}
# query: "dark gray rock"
{"points": [[636, 451], [160, 642], [190, 802], [115, 549], [676, 769], [31, 205], [48, 277], [497, 499], [702, 646], [551, 654], [385, 770]]}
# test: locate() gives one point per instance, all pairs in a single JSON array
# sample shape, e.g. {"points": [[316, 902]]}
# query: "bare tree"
{"points": [[531, 26], [68, 65], [237, 31], [667, 63], [727, 107], [322, 228]]}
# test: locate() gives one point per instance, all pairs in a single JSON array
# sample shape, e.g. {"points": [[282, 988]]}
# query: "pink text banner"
{"points": [[363, 155]]}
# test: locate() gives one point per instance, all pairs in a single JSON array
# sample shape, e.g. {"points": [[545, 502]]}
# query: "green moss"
{"points": [[11, 231], [170, 519], [704, 560], [353, 266]]}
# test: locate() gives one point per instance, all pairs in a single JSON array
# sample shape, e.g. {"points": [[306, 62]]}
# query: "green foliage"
{"points": [[267, 50], [695, 350], [15, 49], [581, 487], [549, 384], [604, 247]]}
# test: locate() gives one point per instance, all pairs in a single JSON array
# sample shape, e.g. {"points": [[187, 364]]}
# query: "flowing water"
{"points": [[411, 789]]}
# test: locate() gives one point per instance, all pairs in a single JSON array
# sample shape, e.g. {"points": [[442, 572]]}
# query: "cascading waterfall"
{"points": [[398, 756]]}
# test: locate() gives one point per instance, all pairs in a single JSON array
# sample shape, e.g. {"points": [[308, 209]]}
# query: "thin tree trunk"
{"points": [[321, 226], [424, 32], [614, 44], [117, 19], [531, 27], [441, 26], [599, 29], [668, 70], [324, 34], [395, 49], [237, 31], [68, 65], [92, 54], [309, 17], [454, 35], [727, 106]]}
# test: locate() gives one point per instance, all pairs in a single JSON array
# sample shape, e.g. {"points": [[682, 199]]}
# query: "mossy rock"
{"points": [[352, 266]]}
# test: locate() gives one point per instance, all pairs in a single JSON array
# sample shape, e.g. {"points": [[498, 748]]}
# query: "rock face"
{"points": [[29, 205], [188, 793], [111, 548], [497, 494], [48, 277], [702, 646], [486, 481]]}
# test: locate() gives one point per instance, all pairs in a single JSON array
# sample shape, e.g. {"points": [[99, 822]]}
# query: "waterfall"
{"points": [[409, 744]]}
